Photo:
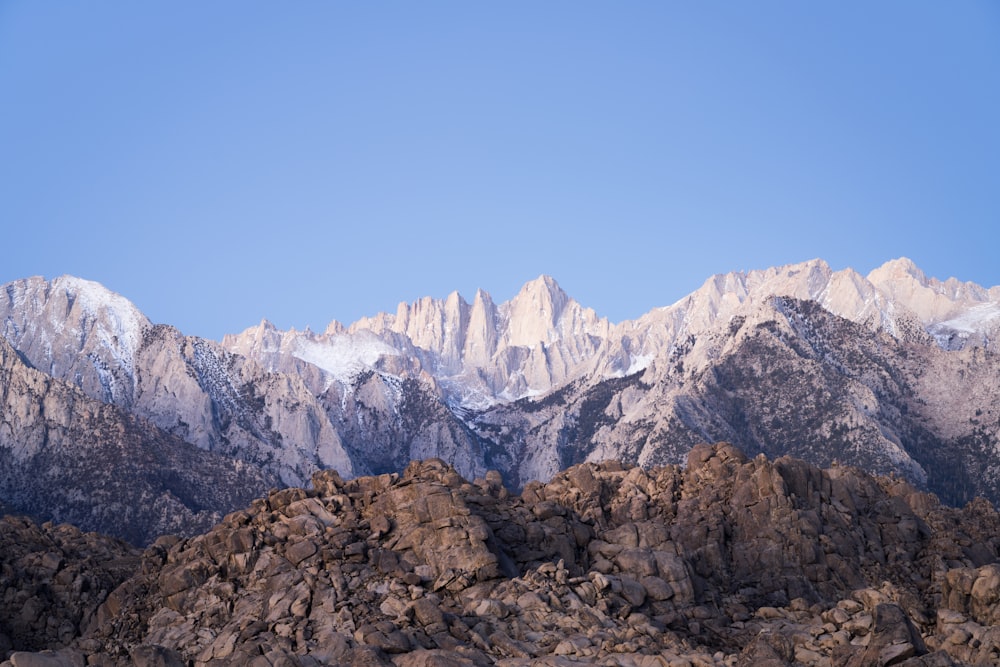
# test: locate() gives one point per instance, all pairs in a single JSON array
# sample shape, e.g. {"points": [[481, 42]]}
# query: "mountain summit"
{"points": [[895, 372]]}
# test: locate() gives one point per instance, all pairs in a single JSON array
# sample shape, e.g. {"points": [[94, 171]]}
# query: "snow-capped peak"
{"points": [[98, 301], [76, 330]]}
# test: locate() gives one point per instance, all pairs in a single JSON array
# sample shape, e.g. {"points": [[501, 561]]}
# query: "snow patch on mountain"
{"points": [[955, 333], [343, 357], [118, 323], [461, 396], [640, 362], [975, 319]]}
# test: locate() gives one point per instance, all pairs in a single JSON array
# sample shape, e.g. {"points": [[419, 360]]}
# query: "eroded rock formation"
{"points": [[727, 561]]}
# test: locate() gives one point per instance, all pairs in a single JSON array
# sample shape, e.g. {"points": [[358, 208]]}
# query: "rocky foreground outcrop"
{"points": [[53, 579], [727, 561]]}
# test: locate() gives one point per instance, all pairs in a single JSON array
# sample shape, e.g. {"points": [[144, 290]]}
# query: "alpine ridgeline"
{"points": [[894, 372]]}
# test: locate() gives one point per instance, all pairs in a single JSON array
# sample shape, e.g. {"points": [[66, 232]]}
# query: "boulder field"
{"points": [[727, 561]]}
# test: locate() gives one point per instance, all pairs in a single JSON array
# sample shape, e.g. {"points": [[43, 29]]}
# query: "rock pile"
{"points": [[726, 562], [53, 579]]}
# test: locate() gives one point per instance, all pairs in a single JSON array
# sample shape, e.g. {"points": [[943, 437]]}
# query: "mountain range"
{"points": [[895, 372]]}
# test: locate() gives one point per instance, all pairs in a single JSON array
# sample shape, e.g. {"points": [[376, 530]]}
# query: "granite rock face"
{"points": [[788, 377], [895, 373], [729, 560], [68, 457], [82, 334], [52, 581]]}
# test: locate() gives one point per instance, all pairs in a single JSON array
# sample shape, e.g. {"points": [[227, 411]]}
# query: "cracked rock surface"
{"points": [[726, 561]]}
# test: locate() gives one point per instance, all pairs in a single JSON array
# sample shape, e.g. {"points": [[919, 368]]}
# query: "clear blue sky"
{"points": [[219, 162]]}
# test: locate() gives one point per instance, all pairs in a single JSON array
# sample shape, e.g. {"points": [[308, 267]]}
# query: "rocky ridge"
{"points": [[483, 353], [788, 377], [80, 333], [71, 458], [539, 383], [727, 561], [894, 372]]}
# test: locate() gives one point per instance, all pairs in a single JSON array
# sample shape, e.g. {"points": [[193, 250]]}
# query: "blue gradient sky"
{"points": [[219, 162]]}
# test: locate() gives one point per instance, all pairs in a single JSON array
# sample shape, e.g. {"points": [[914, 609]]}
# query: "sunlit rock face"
{"points": [[895, 372]]}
